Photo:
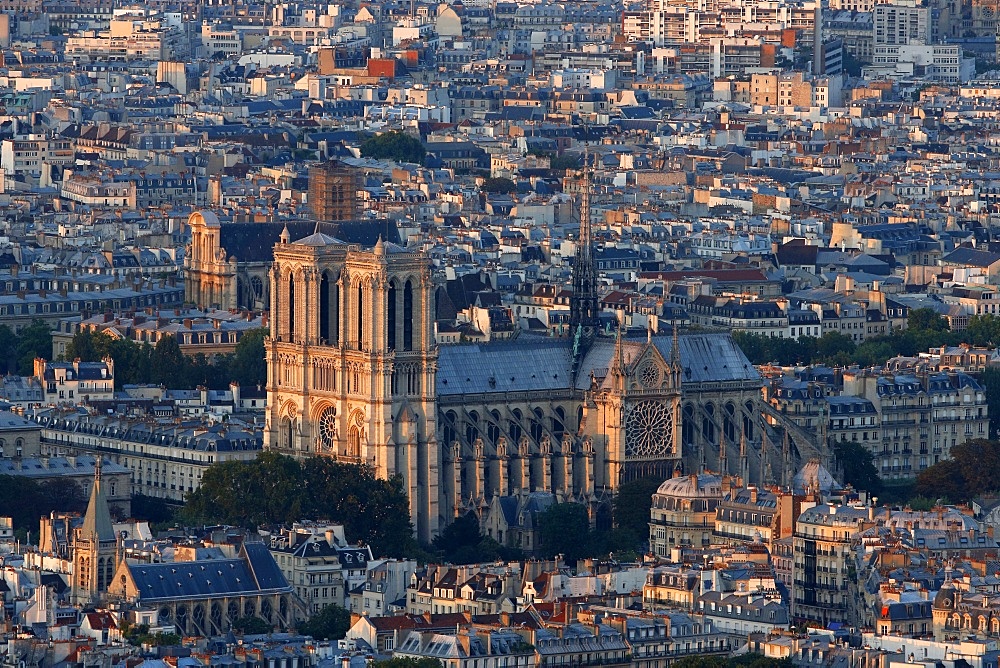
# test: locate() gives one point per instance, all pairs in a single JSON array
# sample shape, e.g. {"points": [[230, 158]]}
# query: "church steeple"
{"points": [[95, 546], [97, 524], [583, 303]]}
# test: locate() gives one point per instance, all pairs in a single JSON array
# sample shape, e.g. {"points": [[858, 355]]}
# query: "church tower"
{"points": [[583, 316], [352, 362], [95, 547]]}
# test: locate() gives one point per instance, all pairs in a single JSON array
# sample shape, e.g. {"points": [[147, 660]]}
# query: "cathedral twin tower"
{"points": [[351, 361]]}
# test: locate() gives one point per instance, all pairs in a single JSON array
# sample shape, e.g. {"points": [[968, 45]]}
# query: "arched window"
{"points": [[354, 442], [324, 308], [291, 308], [335, 316], [408, 316], [360, 312], [391, 316]]}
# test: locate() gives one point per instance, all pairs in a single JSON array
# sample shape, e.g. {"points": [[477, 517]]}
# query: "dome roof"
{"points": [[945, 597], [815, 474], [700, 486]]}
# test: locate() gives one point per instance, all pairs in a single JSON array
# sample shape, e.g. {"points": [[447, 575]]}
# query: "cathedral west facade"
{"points": [[354, 373]]}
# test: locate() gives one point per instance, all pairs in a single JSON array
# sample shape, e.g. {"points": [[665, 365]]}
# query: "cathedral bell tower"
{"points": [[352, 362], [95, 547]]}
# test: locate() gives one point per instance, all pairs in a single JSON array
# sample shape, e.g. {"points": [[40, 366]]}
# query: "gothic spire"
{"points": [[583, 303], [97, 520]]}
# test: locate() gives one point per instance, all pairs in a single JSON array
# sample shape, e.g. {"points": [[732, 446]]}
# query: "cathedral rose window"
{"points": [[328, 428], [649, 428]]}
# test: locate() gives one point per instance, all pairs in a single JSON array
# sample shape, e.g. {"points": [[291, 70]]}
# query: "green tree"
{"points": [[979, 461], [8, 350], [564, 528], [88, 346], [990, 380], [330, 623], [167, 363], [630, 510], [833, 344], [278, 489], [564, 162], [371, 509], [943, 480], [394, 145], [33, 341], [251, 626], [926, 319], [249, 365], [498, 185], [858, 465]]}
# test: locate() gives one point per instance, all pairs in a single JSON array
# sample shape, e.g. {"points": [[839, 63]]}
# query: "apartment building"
{"points": [[317, 560], [76, 382], [30, 154], [822, 551], [167, 459], [921, 417]]}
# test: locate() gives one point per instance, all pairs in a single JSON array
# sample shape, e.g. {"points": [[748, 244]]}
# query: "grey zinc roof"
{"points": [[257, 572], [547, 364], [192, 579], [517, 366]]}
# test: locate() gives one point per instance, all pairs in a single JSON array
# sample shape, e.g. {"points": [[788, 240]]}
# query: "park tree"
{"points": [[249, 368], [564, 528], [498, 185], [856, 461], [251, 626], [274, 488], [926, 319], [394, 145], [33, 341], [631, 509], [167, 363], [330, 623]]}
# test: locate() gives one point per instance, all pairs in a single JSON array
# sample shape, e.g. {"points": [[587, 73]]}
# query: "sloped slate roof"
{"points": [[254, 242], [519, 366], [255, 573]]}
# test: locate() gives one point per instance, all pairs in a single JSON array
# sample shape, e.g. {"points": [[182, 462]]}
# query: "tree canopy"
{"points": [[394, 145], [564, 528], [26, 500], [973, 470], [330, 623], [33, 341], [166, 364], [631, 510], [462, 543], [858, 466], [276, 489], [252, 626], [498, 185]]}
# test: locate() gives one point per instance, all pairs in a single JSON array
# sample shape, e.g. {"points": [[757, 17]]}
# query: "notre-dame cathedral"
{"points": [[354, 373]]}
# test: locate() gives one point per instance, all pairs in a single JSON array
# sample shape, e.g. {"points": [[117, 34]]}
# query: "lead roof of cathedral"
{"points": [[254, 242], [543, 364]]}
